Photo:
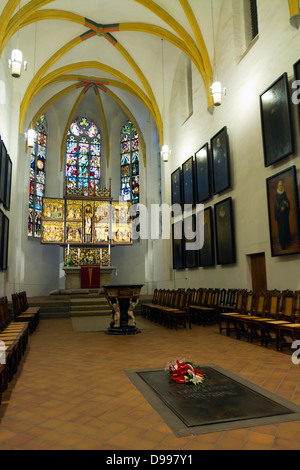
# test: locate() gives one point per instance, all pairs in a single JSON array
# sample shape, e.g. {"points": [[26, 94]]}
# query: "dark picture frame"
{"points": [[207, 252], [276, 121], [176, 187], [3, 160], [283, 212], [8, 180], [225, 236], [202, 174], [188, 182], [5, 235], [1, 238], [177, 244], [297, 77], [220, 161], [190, 256]]}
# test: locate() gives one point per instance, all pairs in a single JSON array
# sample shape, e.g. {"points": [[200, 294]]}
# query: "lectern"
{"points": [[123, 299]]}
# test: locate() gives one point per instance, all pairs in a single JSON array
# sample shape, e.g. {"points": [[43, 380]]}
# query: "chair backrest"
{"points": [[216, 297], [16, 304], [155, 295], [222, 296], [160, 296], [297, 306], [203, 297], [240, 300], [209, 297], [231, 297], [273, 302], [198, 296], [288, 306], [249, 303], [260, 304]]}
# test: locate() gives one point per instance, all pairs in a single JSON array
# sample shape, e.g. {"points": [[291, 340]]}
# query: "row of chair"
{"points": [[14, 339], [168, 308], [271, 316], [24, 313]]}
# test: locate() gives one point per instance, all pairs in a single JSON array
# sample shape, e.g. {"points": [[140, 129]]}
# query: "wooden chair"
{"points": [[200, 299], [207, 313], [23, 314], [227, 317], [287, 333], [240, 321], [275, 316], [255, 321]]}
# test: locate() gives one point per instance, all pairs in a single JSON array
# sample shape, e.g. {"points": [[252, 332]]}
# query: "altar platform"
{"points": [[73, 276]]}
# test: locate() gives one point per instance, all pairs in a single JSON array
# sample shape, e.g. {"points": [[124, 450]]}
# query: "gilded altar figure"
{"points": [[116, 312], [88, 215]]}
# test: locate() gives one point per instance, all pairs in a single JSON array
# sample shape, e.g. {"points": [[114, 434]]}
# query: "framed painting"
{"points": [[74, 233], [1, 238], [5, 234], [176, 187], [3, 160], [74, 211], [283, 210], [220, 161], [190, 255], [121, 234], [296, 95], [202, 174], [276, 121], [207, 252], [177, 241], [225, 237], [7, 193], [188, 183]]}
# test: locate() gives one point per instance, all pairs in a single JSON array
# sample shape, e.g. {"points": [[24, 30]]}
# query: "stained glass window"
{"points": [[83, 154], [130, 161], [37, 178]]}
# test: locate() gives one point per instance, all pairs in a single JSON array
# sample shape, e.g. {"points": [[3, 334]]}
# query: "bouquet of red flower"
{"points": [[185, 373]]}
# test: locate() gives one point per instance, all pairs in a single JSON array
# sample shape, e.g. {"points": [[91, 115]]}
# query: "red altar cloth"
{"points": [[90, 277]]}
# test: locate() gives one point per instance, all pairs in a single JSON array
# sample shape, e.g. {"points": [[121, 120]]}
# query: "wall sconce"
{"points": [[217, 92], [15, 63], [31, 136], [165, 153]]}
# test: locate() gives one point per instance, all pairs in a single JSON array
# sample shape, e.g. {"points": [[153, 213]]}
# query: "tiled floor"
{"points": [[71, 391]]}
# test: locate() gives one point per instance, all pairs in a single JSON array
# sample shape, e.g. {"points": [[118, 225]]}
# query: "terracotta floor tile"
{"points": [[67, 398]]}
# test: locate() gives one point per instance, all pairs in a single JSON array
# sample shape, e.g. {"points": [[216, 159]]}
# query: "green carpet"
{"points": [[85, 324]]}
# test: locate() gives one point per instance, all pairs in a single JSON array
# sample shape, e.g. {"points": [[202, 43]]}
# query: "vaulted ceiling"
{"points": [[108, 47]]}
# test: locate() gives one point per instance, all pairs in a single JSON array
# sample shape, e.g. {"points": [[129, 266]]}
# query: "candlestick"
{"points": [[68, 249]]}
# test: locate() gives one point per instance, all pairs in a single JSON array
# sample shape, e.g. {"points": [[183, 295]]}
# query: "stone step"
{"points": [[76, 308], [92, 313]]}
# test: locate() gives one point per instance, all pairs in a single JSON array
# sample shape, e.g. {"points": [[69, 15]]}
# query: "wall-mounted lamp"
{"points": [[217, 92], [165, 153], [31, 136], [15, 63]]}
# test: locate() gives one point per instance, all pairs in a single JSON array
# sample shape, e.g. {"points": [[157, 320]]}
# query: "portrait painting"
{"points": [[176, 187], [3, 162], [283, 210], [225, 237], [5, 235], [1, 237], [7, 194], [177, 240], [276, 121], [202, 175], [207, 252], [188, 182], [220, 161], [190, 255], [296, 94]]}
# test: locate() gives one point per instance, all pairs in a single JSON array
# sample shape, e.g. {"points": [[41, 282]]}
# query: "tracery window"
{"points": [[37, 178], [83, 159], [130, 163]]}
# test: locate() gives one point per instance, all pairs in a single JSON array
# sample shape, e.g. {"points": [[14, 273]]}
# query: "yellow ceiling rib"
{"points": [[198, 35], [104, 123], [32, 91], [167, 18], [294, 7], [145, 83], [6, 15], [26, 11]]}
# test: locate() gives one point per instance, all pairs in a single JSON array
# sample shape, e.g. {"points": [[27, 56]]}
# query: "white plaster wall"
{"points": [[274, 53]]}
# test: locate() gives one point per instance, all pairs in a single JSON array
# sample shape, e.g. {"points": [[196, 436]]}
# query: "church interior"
{"points": [[149, 212]]}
